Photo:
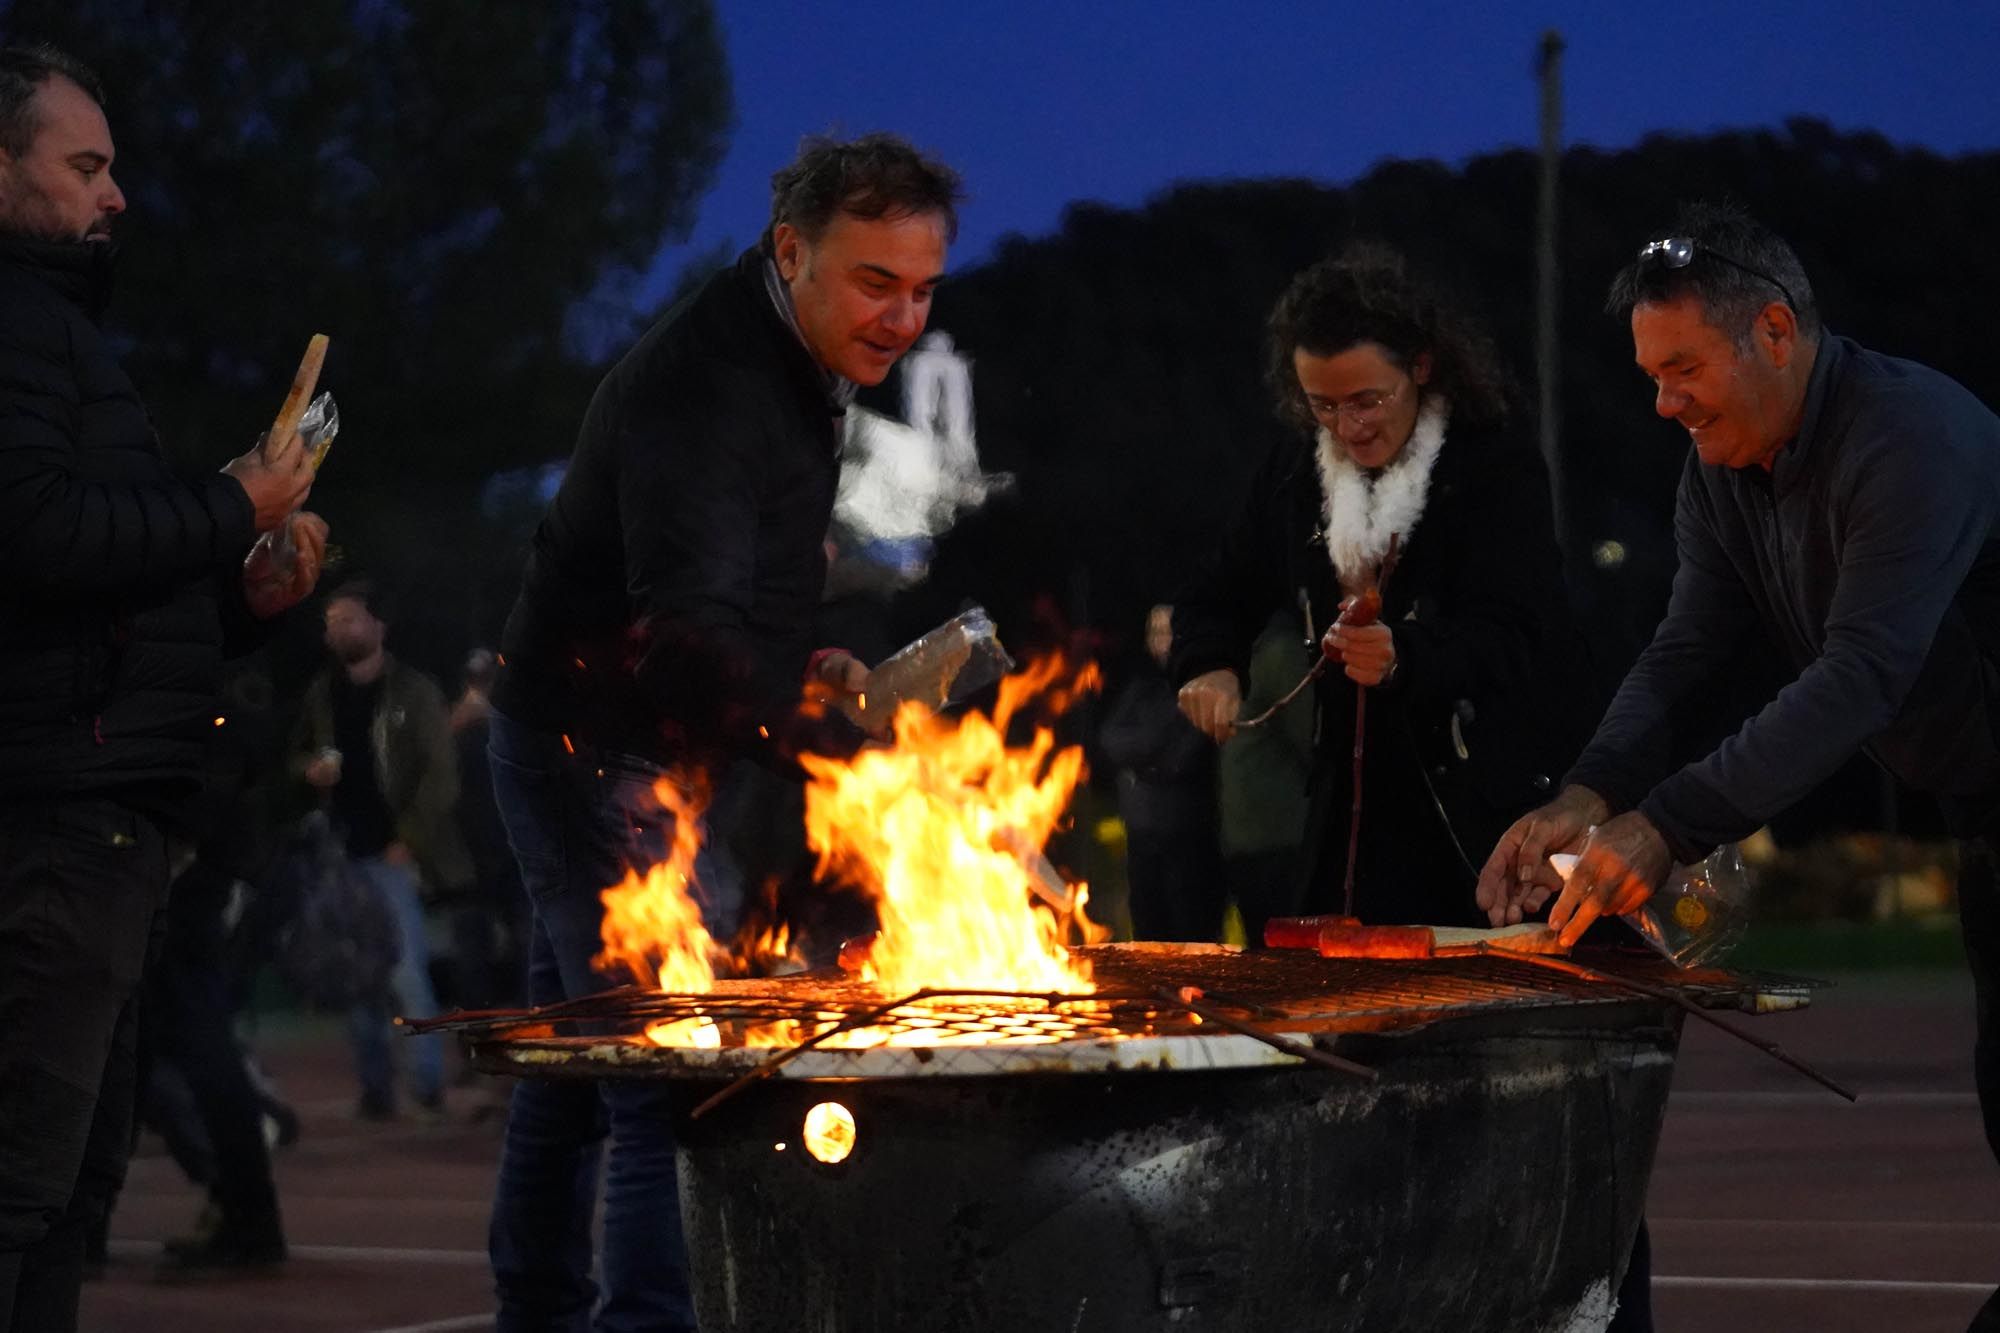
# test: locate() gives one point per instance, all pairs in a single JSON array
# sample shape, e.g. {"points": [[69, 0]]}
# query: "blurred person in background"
{"points": [[664, 627], [1166, 799], [124, 586], [1262, 778], [189, 1022], [488, 919], [374, 740], [1843, 508]]}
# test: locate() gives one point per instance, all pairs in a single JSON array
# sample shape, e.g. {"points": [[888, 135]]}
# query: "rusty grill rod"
{"points": [[1673, 996], [1208, 1013]]}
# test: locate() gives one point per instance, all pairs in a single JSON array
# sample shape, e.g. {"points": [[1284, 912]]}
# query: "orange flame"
{"points": [[652, 922], [943, 829], [937, 828]]}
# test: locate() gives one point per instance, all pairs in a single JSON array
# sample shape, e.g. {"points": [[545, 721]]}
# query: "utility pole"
{"points": [[1548, 369]]}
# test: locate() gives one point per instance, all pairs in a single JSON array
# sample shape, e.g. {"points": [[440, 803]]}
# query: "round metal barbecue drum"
{"points": [[1489, 1175]]}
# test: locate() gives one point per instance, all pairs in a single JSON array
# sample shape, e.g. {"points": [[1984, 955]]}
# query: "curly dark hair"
{"points": [[1367, 295], [875, 176]]}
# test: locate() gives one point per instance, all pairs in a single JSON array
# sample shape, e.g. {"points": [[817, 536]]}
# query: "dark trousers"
{"points": [[577, 818], [188, 1023], [1175, 884], [1979, 919], [80, 889]]}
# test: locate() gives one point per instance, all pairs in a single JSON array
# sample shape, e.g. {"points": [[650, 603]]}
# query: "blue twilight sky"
{"points": [[1043, 102]]}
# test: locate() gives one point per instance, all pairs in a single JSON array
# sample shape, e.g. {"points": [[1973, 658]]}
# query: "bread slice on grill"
{"points": [[1527, 937]]}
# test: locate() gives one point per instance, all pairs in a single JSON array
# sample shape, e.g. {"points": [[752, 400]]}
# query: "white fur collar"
{"points": [[1361, 512]]}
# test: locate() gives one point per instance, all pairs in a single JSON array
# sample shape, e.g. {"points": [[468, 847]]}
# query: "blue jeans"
{"points": [[577, 821], [410, 994]]}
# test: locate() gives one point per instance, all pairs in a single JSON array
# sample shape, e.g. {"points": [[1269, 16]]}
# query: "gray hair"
{"points": [[1738, 267]]}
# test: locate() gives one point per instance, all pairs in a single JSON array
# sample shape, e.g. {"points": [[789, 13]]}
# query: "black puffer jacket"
{"points": [[669, 598], [116, 577]]}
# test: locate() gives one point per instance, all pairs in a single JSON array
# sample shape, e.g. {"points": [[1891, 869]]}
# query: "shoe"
{"points": [[206, 1224], [377, 1106], [430, 1108], [229, 1252]]}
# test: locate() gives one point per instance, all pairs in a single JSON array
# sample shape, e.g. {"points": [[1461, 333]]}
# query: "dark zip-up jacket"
{"points": [[117, 579], [669, 596], [1869, 557], [415, 765]]}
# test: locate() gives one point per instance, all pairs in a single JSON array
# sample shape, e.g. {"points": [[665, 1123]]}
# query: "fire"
{"points": [[940, 829], [652, 921]]}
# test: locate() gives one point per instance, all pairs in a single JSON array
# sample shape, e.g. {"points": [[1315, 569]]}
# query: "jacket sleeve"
{"points": [[1709, 614], [61, 534], [427, 823], [1913, 516], [1506, 589], [1220, 609], [689, 505]]}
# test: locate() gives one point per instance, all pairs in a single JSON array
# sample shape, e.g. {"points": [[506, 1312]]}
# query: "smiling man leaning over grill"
{"points": [[663, 622], [1845, 506]]}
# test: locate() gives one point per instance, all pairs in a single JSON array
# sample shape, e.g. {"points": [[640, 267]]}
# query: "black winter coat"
{"points": [[118, 576], [1488, 703], [669, 596]]}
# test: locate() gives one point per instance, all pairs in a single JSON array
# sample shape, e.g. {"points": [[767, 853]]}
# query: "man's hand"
{"points": [[1622, 862], [1367, 652], [270, 583], [276, 482], [1212, 702], [323, 770], [1517, 878], [841, 674], [397, 853]]}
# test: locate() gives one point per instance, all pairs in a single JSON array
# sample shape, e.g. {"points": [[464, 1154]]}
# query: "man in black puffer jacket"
{"points": [[120, 585]]}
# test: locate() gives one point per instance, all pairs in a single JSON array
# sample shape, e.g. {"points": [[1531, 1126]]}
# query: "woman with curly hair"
{"points": [[1406, 435]]}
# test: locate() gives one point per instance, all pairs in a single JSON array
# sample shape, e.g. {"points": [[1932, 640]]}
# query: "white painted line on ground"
{"points": [[1856, 1284], [1824, 1223], [381, 1254], [464, 1321], [1869, 1100]]}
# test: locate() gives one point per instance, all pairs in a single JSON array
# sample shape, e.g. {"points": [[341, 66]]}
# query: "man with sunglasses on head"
{"points": [[1844, 506]]}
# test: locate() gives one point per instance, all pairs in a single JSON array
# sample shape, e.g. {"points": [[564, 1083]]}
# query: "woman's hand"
{"points": [[1212, 701], [1366, 652]]}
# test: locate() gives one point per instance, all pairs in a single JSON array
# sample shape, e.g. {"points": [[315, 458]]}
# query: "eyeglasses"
{"points": [[1362, 409], [1680, 251]]}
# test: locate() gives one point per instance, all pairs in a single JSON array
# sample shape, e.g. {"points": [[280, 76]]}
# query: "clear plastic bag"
{"points": [[944, 667], [1701, 912], [275, 556]]}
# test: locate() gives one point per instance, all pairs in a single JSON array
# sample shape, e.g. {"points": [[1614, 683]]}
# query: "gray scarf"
{"points": [[840, 390]]}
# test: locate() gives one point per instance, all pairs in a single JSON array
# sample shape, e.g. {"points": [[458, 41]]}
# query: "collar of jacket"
{"points": [[79, 271], [1796, 454], [750, 271]]}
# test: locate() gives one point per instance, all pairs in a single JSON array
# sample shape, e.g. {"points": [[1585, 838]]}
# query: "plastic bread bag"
{"points": [[274, 556], [944, 667]]}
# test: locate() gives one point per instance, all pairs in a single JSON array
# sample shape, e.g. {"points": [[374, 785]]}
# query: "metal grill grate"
{"points": [[1137, 987]]}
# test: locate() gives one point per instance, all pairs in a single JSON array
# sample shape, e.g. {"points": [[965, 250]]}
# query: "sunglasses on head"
{"points": [[1680, 251]]}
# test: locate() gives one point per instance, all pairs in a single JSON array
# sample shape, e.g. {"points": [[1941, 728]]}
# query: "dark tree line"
{"points": [[463, 195], [1119, 363]]}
